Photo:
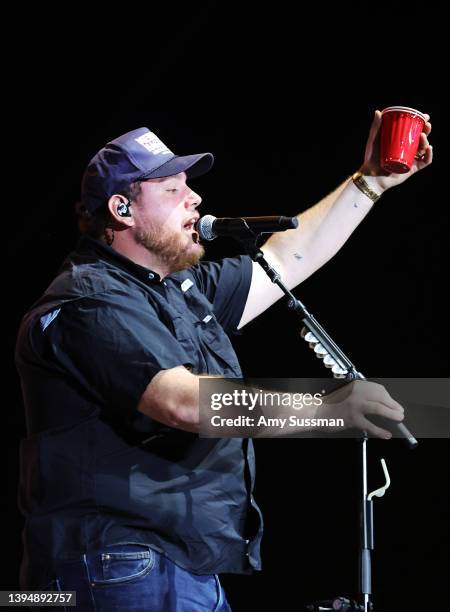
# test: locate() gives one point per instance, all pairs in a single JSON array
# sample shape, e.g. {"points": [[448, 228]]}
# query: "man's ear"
{"points": [[120, 208]]}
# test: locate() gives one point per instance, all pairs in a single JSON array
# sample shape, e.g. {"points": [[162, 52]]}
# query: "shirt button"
{"points": [[151, 275], [107, 557]]}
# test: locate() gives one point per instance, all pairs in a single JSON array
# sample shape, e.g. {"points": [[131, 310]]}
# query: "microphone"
{"points": [[209, 227]]}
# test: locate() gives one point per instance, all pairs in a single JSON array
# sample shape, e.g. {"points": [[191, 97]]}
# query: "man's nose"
{"points": [[193, 200]]}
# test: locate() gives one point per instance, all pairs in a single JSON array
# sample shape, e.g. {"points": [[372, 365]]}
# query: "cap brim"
{"points": [[193, 165]]}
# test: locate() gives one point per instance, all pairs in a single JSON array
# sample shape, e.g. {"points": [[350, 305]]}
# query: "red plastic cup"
{"points": [[400, 136]]}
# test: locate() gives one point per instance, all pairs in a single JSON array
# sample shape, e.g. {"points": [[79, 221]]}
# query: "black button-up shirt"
{"points": [[96, 471]]}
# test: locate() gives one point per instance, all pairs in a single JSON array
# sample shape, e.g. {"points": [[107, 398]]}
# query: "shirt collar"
{"points": [[88, 246]]}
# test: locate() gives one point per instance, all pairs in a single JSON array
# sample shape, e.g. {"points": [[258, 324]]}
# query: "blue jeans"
{"points": [[137, 578]]}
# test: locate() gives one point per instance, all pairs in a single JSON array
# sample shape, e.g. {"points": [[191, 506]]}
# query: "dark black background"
{"points": [[284, 100]]}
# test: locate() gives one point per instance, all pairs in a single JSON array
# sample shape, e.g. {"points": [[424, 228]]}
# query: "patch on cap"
{"points": [[152, 143]]}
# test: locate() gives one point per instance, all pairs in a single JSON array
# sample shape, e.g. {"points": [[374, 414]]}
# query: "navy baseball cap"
{"points": [[136, 155]]}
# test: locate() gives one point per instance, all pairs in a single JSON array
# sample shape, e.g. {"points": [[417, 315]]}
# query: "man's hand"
{"points": [[359, 398], [371, 166]]}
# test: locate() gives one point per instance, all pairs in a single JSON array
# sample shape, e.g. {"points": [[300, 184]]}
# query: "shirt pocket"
{"points": [[217, 342], [186, 341]]}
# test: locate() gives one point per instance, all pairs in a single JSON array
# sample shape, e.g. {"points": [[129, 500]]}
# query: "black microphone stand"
{"points": [[343, 368]]}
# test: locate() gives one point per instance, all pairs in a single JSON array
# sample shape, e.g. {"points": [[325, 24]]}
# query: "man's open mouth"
{"points": [[190, 227]]}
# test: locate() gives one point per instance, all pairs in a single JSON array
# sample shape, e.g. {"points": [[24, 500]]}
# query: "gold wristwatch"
{"points": [[362, 185]]}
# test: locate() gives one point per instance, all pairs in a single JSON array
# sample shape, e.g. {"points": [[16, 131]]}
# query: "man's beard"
{"points": [[174, 250]]}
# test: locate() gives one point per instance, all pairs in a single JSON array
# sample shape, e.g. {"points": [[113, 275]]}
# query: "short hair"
{"points": [[94, 223]]}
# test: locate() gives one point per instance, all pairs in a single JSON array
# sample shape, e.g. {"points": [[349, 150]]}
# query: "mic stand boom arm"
{"points": [[316, 335]]}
